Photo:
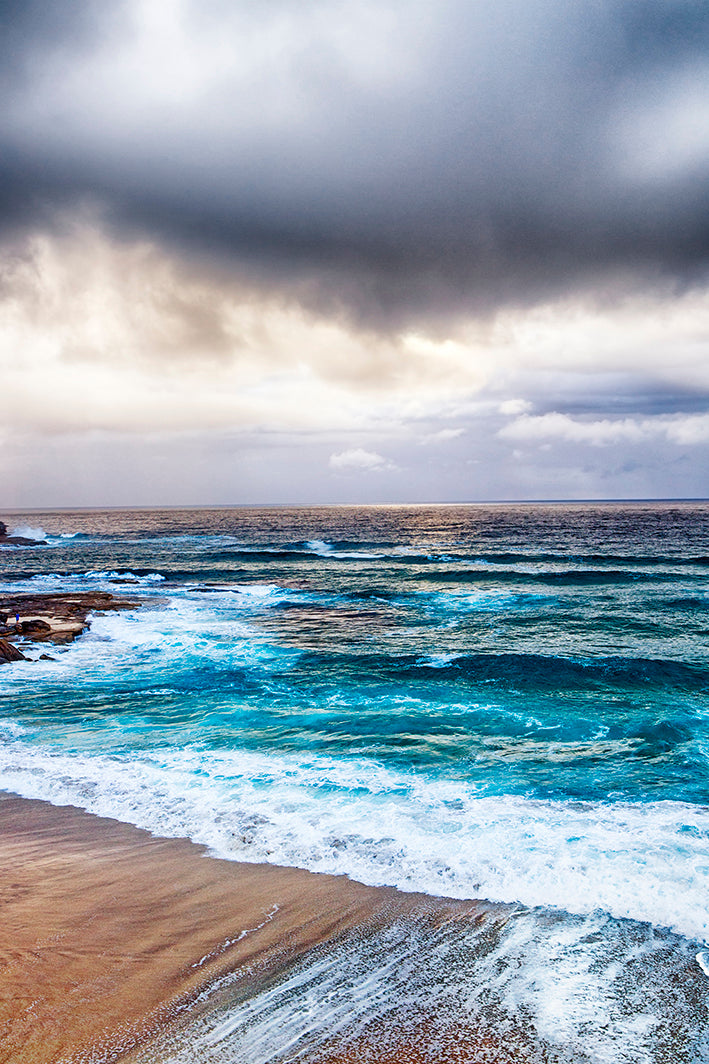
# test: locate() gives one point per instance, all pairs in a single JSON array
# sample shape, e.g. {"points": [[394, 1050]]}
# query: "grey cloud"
{"points": [[31, 28], [480, 162], [618, 394]]}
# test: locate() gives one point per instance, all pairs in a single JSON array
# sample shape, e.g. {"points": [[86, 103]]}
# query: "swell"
{"points": [[538, 671], [403, 552], [569, 577]]}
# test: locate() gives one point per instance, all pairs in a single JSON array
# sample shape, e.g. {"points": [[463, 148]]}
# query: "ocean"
{"points": [[503, 702]]}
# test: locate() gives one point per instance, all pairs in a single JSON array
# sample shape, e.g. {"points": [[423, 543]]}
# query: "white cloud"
{"points": [[122, 336], [172, 82], [442, 436], [684, 430], [660, 333], [561, 426], [687, 430], [515, 406], [358, 458]]}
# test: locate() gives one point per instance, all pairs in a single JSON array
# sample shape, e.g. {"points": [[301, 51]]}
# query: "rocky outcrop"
{"points": [[17, 541], [56, 618], [36, 628], [8, 653]]}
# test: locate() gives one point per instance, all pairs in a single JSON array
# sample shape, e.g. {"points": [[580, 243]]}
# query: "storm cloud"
{"points": [[396, 161]]}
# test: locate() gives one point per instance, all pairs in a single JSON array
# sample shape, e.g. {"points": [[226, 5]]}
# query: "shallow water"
{"points": [[506, 702]]}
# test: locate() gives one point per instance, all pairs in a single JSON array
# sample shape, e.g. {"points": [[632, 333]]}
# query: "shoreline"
{"points": [[110, 934]]}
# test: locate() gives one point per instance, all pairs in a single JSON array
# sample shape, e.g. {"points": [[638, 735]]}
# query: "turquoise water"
{"points": [[506, 702]]}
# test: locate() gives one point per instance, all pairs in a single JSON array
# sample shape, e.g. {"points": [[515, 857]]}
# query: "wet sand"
{"points": [[107, 934]]}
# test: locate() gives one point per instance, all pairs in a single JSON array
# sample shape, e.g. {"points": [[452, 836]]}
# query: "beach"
{"points": [[111, 936]]}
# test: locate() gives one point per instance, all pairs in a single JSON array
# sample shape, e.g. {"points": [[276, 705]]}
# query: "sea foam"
{"points": [[569, 990], [646, 862], [26, 532]]}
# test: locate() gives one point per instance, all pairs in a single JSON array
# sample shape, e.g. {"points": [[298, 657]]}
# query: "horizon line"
{"points": [[352, 505]]}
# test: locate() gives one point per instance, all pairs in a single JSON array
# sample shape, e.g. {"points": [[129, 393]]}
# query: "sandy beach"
{"points": [[109, 934]]}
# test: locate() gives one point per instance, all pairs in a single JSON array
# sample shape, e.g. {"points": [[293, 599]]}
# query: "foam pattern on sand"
{"points": [[527, 987]]}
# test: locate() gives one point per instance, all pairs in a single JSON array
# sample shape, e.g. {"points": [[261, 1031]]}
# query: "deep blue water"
{"points": [[509, 702]]}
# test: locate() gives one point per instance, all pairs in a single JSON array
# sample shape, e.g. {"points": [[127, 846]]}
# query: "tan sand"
{"points": [[106, 932]]}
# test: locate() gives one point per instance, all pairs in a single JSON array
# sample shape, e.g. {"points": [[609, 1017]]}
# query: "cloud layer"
{"points": [[401, 161], [355, 249]]}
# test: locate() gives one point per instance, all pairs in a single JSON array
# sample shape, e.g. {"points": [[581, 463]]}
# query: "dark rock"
{"points": [[46, 657], [20, 541], [3, 528], [36, 627], [8, 653]]}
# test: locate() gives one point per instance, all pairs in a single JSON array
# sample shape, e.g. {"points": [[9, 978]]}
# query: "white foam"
{"points": [[11, 729], [356, 554], [26, 532], [244, 933], [570, 990], [174, 637], [319, 546], [258, 591], [438, 661], [93, 580], [326, 550], [191, 630], [123, 575], [354, 817], [479, 601]]}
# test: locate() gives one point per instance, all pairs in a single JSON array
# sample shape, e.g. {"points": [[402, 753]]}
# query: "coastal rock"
{"points": [[9, 653], [59, 617], [36, 628], [17, 541]]}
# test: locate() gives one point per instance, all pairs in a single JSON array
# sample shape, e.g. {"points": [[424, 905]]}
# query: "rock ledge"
{"points": [[55, 618]]}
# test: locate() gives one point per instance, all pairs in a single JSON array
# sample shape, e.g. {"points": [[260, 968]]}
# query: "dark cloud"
{"points": [[619, 394], [30, 29], [493, 154]]}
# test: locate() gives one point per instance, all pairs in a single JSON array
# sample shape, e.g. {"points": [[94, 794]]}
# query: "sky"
{"points": [[323, 251]]}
